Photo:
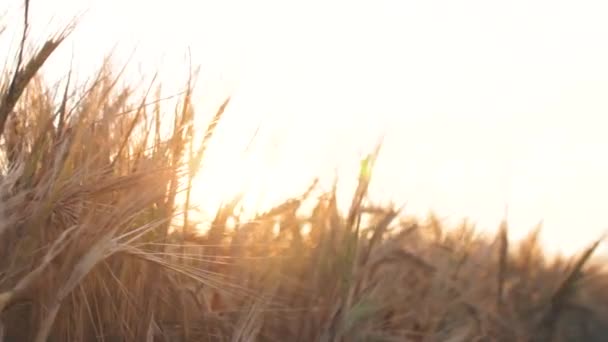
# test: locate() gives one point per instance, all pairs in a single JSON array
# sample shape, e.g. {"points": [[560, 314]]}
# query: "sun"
{"points": [[246, 159]]}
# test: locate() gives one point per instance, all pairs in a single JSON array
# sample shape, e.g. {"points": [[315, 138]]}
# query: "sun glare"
{"points": [[481, 104]]}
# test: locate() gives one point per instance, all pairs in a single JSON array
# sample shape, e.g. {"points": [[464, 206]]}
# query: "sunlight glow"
{"points": [[481, 103]]}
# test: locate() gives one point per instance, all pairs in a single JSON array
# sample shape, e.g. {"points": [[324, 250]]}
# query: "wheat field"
{"points": [[98, 242]]}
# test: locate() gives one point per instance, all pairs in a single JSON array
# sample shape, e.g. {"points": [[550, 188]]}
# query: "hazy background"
{"points": [[482, 103]]}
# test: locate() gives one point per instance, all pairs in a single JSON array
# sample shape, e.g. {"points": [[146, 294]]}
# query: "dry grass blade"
{"points": [[250, 324], [133, 123], [379, 229], [62, 110], [503, 239], [24, 284], [98, 252], [559, 298]]}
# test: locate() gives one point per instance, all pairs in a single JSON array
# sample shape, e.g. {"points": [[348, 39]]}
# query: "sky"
{"points": [[482, 104]]}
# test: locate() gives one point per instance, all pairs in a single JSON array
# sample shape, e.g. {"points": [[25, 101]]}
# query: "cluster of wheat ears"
{"points": [[91, 251]]}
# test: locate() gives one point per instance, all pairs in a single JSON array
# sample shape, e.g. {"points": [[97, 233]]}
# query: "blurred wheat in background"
{"points": [[98, 241]]}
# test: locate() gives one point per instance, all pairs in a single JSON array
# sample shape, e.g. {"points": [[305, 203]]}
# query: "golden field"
{"points": [[99, 243]]}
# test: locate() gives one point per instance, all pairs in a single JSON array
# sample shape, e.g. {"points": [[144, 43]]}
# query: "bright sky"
{"points": [[483, 103]]}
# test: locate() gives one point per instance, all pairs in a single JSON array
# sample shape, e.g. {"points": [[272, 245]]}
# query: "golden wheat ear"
{"points": [[25, 72]]}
